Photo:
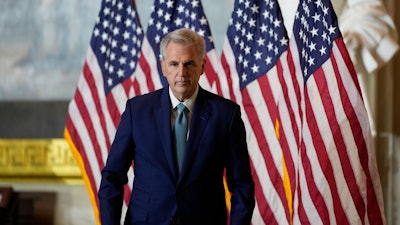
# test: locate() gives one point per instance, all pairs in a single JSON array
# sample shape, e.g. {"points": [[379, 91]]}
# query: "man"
{"points": [[170, 187]]}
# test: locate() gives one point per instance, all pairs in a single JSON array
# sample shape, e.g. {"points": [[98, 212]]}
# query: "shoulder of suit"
{"points": [[147, 96], [215, 97]]}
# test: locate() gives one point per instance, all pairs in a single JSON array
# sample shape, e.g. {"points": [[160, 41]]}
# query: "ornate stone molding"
{"points": [[37, 160]]}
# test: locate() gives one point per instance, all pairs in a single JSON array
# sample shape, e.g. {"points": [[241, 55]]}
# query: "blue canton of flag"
{"points": [[314, 31], [116, 41], [169, 15], [257, 44]]}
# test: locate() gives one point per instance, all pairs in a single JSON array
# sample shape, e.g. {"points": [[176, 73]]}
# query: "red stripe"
{"points": [[88, 76], [113, 110], [338, 136], [265, 210], [144, 65], [136, 88], [345, 55], [374, 213], [228, 74], [303, 218], [127, 85], [89, 127], [212, 76], [265, 150], [325, 165], [79, 146], [283, 141], [285, 91], [296, 85]]}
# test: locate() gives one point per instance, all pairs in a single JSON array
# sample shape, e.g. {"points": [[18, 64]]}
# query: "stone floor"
{"points": [[71, 202]]}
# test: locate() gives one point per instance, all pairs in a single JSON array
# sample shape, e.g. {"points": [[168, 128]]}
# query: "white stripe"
{"points": [[307, 202], [79, 124], [152, 60], [356, 101], [90, 105], [257, 219], [288, 128], [256, 157], [329, 142], [231, 61], [266, 124]]}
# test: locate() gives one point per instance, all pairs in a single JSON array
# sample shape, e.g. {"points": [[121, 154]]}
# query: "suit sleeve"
{"points": [[238, 171], [114, 174]]}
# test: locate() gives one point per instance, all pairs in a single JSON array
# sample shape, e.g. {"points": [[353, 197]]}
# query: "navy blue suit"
{"points": [[217, 140]]}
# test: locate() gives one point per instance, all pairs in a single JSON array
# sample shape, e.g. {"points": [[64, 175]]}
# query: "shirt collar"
{"points": [[189, 103]]}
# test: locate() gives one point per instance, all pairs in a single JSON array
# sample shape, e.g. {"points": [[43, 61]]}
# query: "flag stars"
{"points": [[103, 49], [314, 32], [247, 50], [124, 48], [128, 22], [311, 46], [268, 60], [178, 22], [122, 60], [244, 77], [181, 8], [270, 46], [193, 16], [132, 65], [284, 41], [167, 17], [120, 73], [252, 23], [109, 81], [249, 36], [203, 21], [106, 11], [239, 13], [277, 23], [118, 18], [254, 8], [120, 6], [257, 55], [316, 17], [260, 41], [170, 4], [96, 32], [331, 29], [195, 3], [255, 68], [311, 61], [322, 50]]}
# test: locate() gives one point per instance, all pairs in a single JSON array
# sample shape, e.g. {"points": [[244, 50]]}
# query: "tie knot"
{"points": [[181, 107]]}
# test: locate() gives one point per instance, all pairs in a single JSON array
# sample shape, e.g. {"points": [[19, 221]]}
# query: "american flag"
{"points": [[166, 16], [253, 55], [308, 133], [106, 82], [338, 181]]}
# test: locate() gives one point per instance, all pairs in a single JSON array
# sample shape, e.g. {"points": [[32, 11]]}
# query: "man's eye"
{"points": [[189, 64]]}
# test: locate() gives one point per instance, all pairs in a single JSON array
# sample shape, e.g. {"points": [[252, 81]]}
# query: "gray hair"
{"points": [[183, 36]]}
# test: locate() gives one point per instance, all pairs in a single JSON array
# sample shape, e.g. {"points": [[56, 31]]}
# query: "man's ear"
{"points": [[204, 66], [163, 67]]}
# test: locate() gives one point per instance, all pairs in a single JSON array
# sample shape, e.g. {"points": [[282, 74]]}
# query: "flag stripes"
{"points": [[307, 129]]}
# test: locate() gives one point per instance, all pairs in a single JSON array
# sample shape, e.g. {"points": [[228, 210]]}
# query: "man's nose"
{"points": [[181, 70]]}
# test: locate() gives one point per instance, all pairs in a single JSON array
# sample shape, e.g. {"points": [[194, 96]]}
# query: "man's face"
{"points": [[183, 69]]}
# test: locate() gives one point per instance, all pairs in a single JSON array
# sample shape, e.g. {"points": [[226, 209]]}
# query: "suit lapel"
{"points": [[163, 118]]}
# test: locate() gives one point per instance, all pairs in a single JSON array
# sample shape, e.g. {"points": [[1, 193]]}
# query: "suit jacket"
{"points": [[216, 143]]}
